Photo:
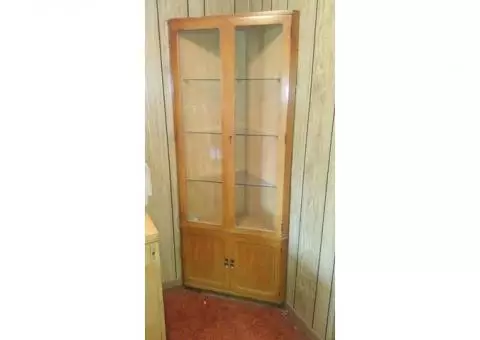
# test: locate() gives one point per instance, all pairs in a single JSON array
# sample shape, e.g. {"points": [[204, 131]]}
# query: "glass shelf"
{"points": [[243, 132], [204, 132], [211, 219], [237, 79], [245, 178], [238, 133], [241, 178], [210, 179]]}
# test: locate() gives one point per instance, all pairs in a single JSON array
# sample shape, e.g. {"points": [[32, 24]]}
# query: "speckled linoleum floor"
{"points": [[196, 315]]}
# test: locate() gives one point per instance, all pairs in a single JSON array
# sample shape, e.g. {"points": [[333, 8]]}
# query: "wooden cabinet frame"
{"points": [[227, 229]]}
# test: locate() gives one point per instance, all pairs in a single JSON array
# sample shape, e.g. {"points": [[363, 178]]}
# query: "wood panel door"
{"points": [[203, 252], [257, 268]]}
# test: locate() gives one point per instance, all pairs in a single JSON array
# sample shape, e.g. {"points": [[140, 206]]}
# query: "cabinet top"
{"points": [[250, 17]]}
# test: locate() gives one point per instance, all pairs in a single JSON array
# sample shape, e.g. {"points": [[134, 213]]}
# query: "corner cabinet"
{"points": [[233, 98]]}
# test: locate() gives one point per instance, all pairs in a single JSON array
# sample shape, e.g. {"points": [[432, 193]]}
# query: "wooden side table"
{"points": [[154, 309]]}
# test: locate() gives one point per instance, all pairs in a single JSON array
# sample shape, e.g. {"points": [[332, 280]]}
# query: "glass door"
{"points": [[201, 124], [259, 115]]}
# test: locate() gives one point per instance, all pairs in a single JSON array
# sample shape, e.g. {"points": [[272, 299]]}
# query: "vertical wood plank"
{"points": [[319, 133], [330, 332], [242, 6], [256, 5], [266, 5], [168, 9], [279, 5], [213, 7], [327, 252], [307, 10], [147, 139], [157, 142], [196, 8]]}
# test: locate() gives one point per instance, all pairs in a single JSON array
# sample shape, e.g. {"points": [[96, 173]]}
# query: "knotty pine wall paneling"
{"points": [[306, 46], [213, 7], [168, 9], [312, 219], [160, 204], [196, 8], [242, 6], [324, 302], [316, 161]]}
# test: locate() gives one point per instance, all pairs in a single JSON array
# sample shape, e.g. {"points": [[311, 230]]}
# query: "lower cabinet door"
{"points": [[258, 268], [203, 252]]}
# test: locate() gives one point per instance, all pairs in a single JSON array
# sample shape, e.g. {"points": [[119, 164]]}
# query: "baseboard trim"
{"points": [[301, 324], [171, 284]]}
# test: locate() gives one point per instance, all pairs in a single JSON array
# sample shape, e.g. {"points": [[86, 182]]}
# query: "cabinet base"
{"points": [[231, 295]]}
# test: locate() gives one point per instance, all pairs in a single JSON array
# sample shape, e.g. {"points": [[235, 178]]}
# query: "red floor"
{"points": [[199, 316]]}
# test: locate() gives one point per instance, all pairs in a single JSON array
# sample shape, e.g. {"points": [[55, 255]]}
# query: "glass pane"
{"points": [[200, 70], [258, 110]]}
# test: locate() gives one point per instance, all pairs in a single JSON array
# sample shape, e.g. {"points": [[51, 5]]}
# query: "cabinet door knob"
{"points": [[225, 263], [232, 263]]}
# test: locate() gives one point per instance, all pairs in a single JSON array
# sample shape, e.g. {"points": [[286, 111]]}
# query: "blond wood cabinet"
{"points": [[154, 309], [258, 268], [203, 252], [233, 98]]}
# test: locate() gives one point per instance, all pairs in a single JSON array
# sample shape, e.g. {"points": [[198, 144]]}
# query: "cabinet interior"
{"points": [[258, 110]]}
